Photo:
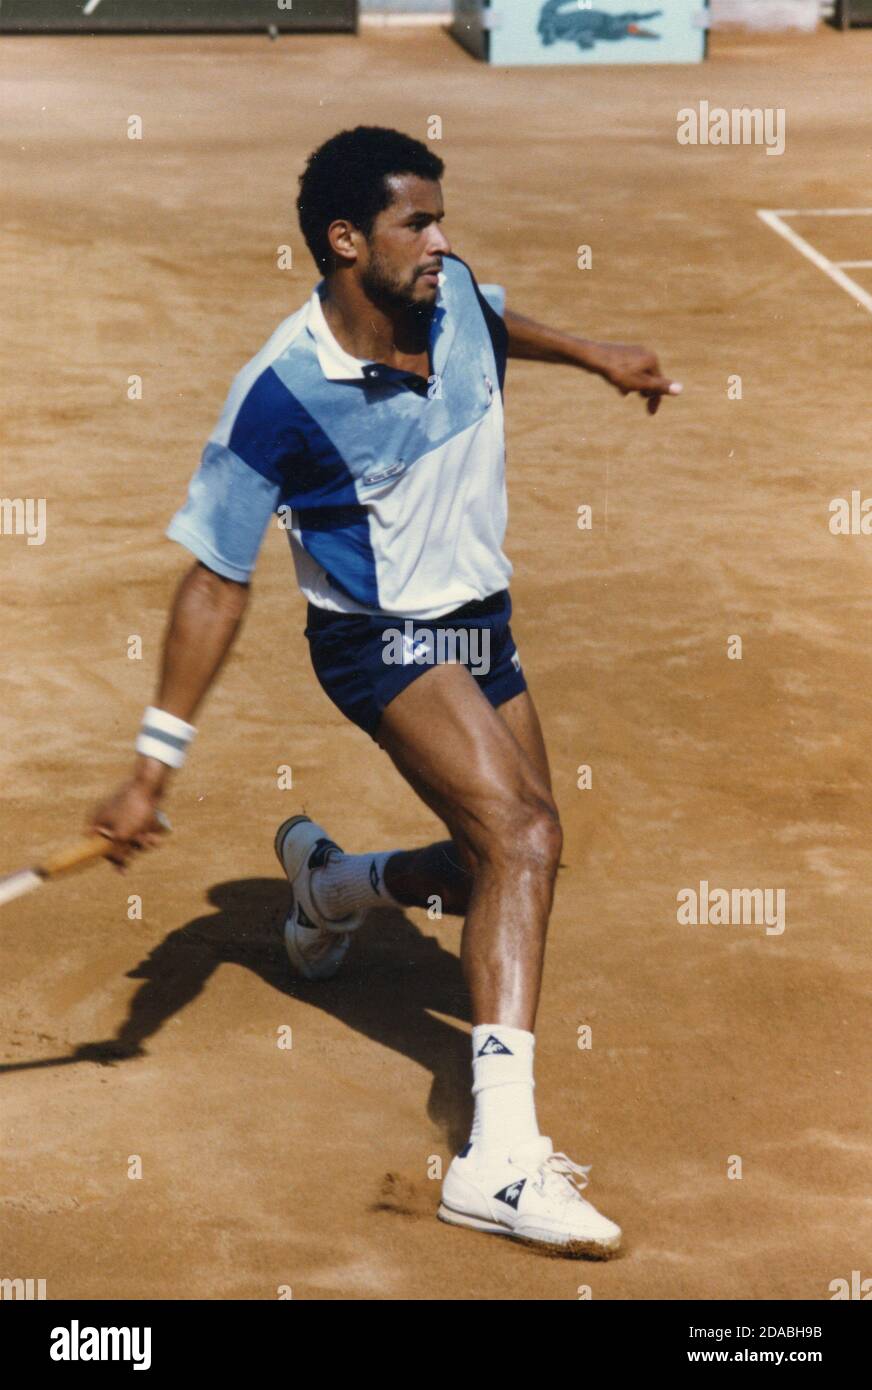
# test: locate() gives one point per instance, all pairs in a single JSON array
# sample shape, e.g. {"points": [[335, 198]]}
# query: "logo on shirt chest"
{"points": [[381, 475]]}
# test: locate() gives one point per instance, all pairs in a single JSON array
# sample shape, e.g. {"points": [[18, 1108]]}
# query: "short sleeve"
{"points": [[495, 296], [227, 511]]}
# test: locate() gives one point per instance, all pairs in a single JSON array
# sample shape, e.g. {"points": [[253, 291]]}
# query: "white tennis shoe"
{"points": [[316, 945], [534, 1197]]}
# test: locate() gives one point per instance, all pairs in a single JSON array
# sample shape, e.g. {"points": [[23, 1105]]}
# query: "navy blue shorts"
{"points": [[363, 662]]}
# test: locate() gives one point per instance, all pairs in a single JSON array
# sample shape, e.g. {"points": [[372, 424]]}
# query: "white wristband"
{"points": [[164, 737]]}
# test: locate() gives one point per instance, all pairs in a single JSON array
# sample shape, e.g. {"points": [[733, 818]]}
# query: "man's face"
{"points": [[404, 251]]}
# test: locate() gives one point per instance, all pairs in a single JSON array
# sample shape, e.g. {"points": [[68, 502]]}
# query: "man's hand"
{"points": [[129, 819], [632, 369]]}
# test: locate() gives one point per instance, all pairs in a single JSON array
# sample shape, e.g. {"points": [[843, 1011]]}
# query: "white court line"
{"points": [[773, 219], [822, 212], [854, 265]]}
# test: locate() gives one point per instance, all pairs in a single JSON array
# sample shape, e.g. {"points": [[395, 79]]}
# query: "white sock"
{"points": [[351, 881], [502, 1070]]}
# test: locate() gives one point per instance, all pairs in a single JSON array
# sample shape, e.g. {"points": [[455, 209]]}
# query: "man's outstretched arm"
{"points": [[624, 367], [203, 623]]}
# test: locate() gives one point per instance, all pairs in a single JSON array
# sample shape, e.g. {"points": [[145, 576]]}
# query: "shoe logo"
{"points": [[465, 1150], [492, 1047], [374, 878], [303, 920], [318, 857], [511, 1195]]}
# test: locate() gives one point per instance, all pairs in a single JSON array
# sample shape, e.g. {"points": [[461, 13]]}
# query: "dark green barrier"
{"points": [[850, 12], [106, 16]]}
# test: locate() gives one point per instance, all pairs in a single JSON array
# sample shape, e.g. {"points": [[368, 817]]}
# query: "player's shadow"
{"points": [[391, 979]]}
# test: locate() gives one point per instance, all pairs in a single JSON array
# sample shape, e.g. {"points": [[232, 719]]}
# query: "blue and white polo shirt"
{"points": [[391, 489]]}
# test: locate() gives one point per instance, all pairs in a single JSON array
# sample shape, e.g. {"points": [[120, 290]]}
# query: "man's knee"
{"points": [[541, 834], [521, 829]]}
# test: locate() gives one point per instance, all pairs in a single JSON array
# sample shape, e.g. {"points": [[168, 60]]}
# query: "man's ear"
{"points": [[342, 236]]}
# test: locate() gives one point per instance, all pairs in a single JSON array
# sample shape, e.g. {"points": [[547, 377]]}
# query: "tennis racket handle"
{"points": [[80, 852]]}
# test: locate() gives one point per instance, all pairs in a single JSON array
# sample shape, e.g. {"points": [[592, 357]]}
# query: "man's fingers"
{"points": [[649, 386], [662, 386], [122, 848], [131, 822], [654, 394], [108, 835]]}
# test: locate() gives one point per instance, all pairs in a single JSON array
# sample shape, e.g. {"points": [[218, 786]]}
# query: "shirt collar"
{"points": [[336, 363], [339, 365]]}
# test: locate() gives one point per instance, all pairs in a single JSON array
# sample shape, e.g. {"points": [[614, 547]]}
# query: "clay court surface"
{"points": [[157, 1037]]}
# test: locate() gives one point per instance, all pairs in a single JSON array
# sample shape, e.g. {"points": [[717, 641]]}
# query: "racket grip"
{"points": [[83, 851]]}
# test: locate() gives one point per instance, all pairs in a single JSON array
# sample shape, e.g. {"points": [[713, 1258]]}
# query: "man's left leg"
{"points": [[471, 770]]}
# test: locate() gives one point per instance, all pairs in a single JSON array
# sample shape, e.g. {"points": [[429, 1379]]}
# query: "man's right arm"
{"points": [[205, 617]]}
